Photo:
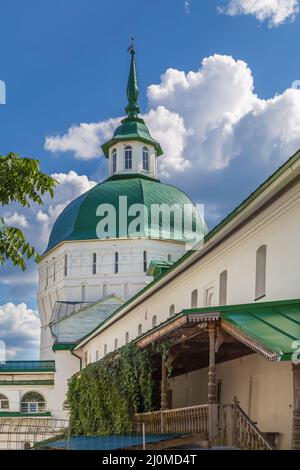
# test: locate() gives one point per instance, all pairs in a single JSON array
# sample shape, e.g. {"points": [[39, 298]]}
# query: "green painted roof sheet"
{"points": [[27, 366], [78, 221], [132, 129], [275, 326]]}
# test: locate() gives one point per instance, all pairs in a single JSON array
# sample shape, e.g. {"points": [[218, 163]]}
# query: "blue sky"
{"points": [[64, 62]]}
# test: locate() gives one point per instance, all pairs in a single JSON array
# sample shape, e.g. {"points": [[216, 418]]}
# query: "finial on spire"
{"points": [[132, 108]]}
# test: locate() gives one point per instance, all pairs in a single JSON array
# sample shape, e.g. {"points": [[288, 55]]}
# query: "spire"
{"points": [[132, 108]]}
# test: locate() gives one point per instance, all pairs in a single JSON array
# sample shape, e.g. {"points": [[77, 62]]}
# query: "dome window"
{"points": [[114, 161], [145, 159], [128, 158], [33, 402]]}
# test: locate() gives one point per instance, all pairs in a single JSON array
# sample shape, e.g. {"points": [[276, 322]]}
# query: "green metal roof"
{"points": [[27, 366], [275, 326], [78, 220], [157, 267]]}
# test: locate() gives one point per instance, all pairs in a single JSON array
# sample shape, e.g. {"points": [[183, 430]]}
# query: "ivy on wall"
{"points": [[105, 395]]}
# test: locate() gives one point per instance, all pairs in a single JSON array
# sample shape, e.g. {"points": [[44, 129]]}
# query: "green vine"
{"points": [[105, 395]]}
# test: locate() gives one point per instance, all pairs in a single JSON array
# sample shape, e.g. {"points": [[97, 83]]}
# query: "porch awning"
{"points": [[272, 327]]}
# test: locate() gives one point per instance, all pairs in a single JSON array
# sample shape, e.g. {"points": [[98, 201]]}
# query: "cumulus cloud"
{"points": [[36, 223], [275, 12], [19, 329]]}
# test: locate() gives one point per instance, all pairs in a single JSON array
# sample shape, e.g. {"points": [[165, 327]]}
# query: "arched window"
{"points": [[128, 158], [172, 310], [114, 160], [54, 269], [223, 288], [154, 321], [145, 159], [169, 257], [104, 290], [116, 343], [260, 279], [140, 329], [4, 402], [97, 355], [105, 349], [126, 337], [33, 402], [194, 299]]}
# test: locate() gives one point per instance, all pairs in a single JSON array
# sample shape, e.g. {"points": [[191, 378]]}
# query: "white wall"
{"points": [[264, 389], [278, 227]]}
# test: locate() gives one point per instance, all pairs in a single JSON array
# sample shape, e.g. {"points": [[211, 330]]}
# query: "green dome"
{"points": [[78, 220]]}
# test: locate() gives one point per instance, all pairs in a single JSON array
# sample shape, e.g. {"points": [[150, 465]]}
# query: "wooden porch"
{"points": [[197, 341]]}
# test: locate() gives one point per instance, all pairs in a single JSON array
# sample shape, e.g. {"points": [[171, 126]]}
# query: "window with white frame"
{"points": [[194, 299], [209, 296], [146, 159], [4, 402], [128, 158], [114, 160], [33, 402], [260, 278], [223, 288]]}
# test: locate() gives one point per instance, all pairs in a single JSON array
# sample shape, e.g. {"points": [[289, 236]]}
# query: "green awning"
{"points": [[273, 325]]}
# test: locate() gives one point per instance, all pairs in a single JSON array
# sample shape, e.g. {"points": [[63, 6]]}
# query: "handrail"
{"points": [[254, 427]]}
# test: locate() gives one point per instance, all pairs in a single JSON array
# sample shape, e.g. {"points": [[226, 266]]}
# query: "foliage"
{"points": [[21, 181], [104, 396]]}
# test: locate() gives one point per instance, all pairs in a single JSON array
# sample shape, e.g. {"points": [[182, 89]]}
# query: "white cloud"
{"points": [[275, 12], [16, 219], [84, 140], [19, 329]]}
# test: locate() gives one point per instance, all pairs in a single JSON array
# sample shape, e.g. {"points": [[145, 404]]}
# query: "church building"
{"points": [[229, 308]]}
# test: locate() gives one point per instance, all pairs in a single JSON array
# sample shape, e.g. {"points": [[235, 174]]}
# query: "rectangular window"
{"points": [[94, 263], [223, 288], [145, 264], [114, 162], [145, 159], [260, 278], [66, 265], [128, 158], [116, 262]]}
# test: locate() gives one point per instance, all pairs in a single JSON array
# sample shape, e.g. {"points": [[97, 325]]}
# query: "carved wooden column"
{"points": [[212, 387], [296, 407], [164, 393]]}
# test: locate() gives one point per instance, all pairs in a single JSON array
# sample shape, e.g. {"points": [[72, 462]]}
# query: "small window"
{"points": [[116, 343], [145, 264], [94, 263], [90, 358], [169, 257], [194, 299], [97, 355], [4, 402], [114, 161], [33, 402], [128, 158], [223, 288], [83, 293], [126, 337], [172, 310], [140, 329], [116, 262], [154, 321], [66, 265], [66, 405], [85, 358], [260, 280], [54, 270], [105, 349], [145, 159], [104, 290], [126, 291]]}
